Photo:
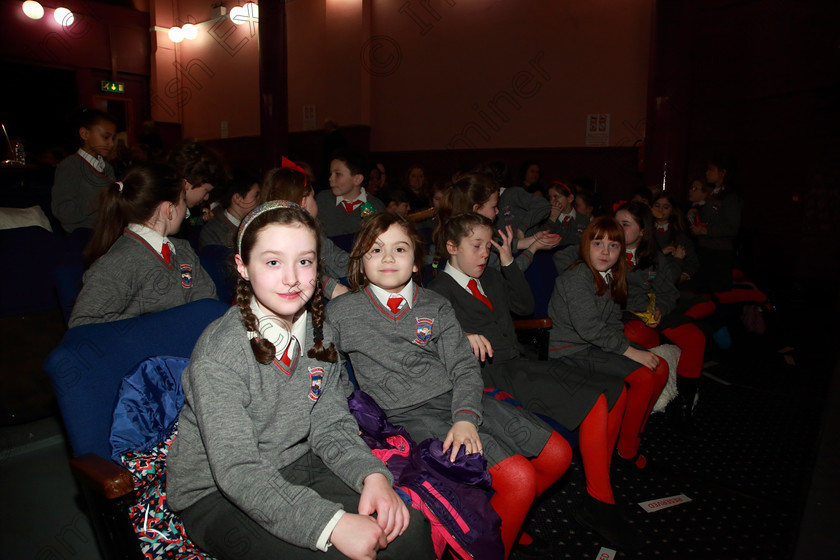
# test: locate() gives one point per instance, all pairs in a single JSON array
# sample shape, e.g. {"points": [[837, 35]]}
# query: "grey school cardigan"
{"points": [[75, 192], [582, 319], [242, 421], [407, 359], [132, 279]]}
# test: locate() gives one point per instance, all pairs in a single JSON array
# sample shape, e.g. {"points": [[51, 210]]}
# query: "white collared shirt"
{"points": [[632, 252], [233, 219], [277, 333], [571, 215], [462, 279], [362, 197], [97, 161], [407, 294], [150, 236]]}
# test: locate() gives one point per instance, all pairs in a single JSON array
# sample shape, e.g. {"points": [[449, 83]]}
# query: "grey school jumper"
{"points": [[660, 281], [218, 231], [522, 210], [243, 421], [75, 192], [132, 279], [334, 218], [418, 366], [562, 392], [581, 319]]}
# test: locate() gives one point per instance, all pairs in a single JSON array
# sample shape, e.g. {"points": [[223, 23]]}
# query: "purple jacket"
{"points": [[452, 495]]}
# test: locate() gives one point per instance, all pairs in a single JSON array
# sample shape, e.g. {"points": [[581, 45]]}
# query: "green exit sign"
{"points": [[112, 87]]}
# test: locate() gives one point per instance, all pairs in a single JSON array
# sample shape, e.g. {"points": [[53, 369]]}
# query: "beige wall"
{"points": [[430, 74], [206, 81]]}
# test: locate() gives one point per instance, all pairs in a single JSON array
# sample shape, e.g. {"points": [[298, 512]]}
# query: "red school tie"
{"points": [[473, 286], [165, 252], [567, 219], [661, 229], [394, 304], [350, 206], [629, 260]]}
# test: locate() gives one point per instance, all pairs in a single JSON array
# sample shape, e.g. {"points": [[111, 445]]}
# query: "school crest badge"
{"points": [[316, 379], [186, 276], [424, 331]]}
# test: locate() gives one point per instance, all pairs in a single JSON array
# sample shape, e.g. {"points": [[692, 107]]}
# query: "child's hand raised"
{"points": [[462, 433], [504, 248], [480, 346], [546, 240]]}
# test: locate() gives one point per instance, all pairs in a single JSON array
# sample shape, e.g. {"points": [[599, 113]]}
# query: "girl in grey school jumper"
{"points": [[484, 299], [268, 462], [409, 353], [587, 330], [564, 220], [137, 268], [290, 183]]}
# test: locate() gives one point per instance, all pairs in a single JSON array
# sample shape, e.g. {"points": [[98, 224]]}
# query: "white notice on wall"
{"points": [[310, 119], [598, 129]]}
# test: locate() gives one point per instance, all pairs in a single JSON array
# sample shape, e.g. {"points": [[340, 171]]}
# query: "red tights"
{"points": [[517, 481], [643, 388], [688, 337], [701, 310], [598, 433]]}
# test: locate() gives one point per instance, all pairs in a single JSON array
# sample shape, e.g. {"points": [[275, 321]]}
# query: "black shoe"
{"points": [[630, 465], [539, 548], [605, 520], [679, 413]]}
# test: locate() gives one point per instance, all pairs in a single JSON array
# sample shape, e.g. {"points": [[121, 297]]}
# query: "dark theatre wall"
{"points": [[759, 80]]}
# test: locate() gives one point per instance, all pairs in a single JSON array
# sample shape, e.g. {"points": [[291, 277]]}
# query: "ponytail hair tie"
{"points": [[253, 334], [120, 185], [318, 332]]}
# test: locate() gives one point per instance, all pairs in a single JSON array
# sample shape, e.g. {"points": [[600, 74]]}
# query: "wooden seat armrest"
{"points": [[421, 215], [530, 324], [102, 476]]}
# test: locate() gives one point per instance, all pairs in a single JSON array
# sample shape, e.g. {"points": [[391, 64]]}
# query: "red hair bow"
{"points": [[618, 205], [286, 163]]}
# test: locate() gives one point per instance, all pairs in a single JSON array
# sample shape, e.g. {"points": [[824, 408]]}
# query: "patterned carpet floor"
{"points": [[745, 465]]}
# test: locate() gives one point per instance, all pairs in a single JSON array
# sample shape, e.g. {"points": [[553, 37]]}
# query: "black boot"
{"points": [[605, 519], [681, 408]]}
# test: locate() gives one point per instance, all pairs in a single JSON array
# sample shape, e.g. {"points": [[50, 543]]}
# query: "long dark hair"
{"points": [[676, 221], [648, 250], [134, 200]]}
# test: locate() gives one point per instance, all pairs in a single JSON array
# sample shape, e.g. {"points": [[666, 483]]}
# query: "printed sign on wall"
{"points": [[598, 129]]}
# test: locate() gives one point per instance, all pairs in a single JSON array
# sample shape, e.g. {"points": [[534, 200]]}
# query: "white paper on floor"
{"points": [[655, 505], [606, 554]]}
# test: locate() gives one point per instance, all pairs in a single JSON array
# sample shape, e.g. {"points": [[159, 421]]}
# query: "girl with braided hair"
{"points": [[266, 446]]}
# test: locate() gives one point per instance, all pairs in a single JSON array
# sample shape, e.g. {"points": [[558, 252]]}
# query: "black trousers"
{"points": [[218, 527]]}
